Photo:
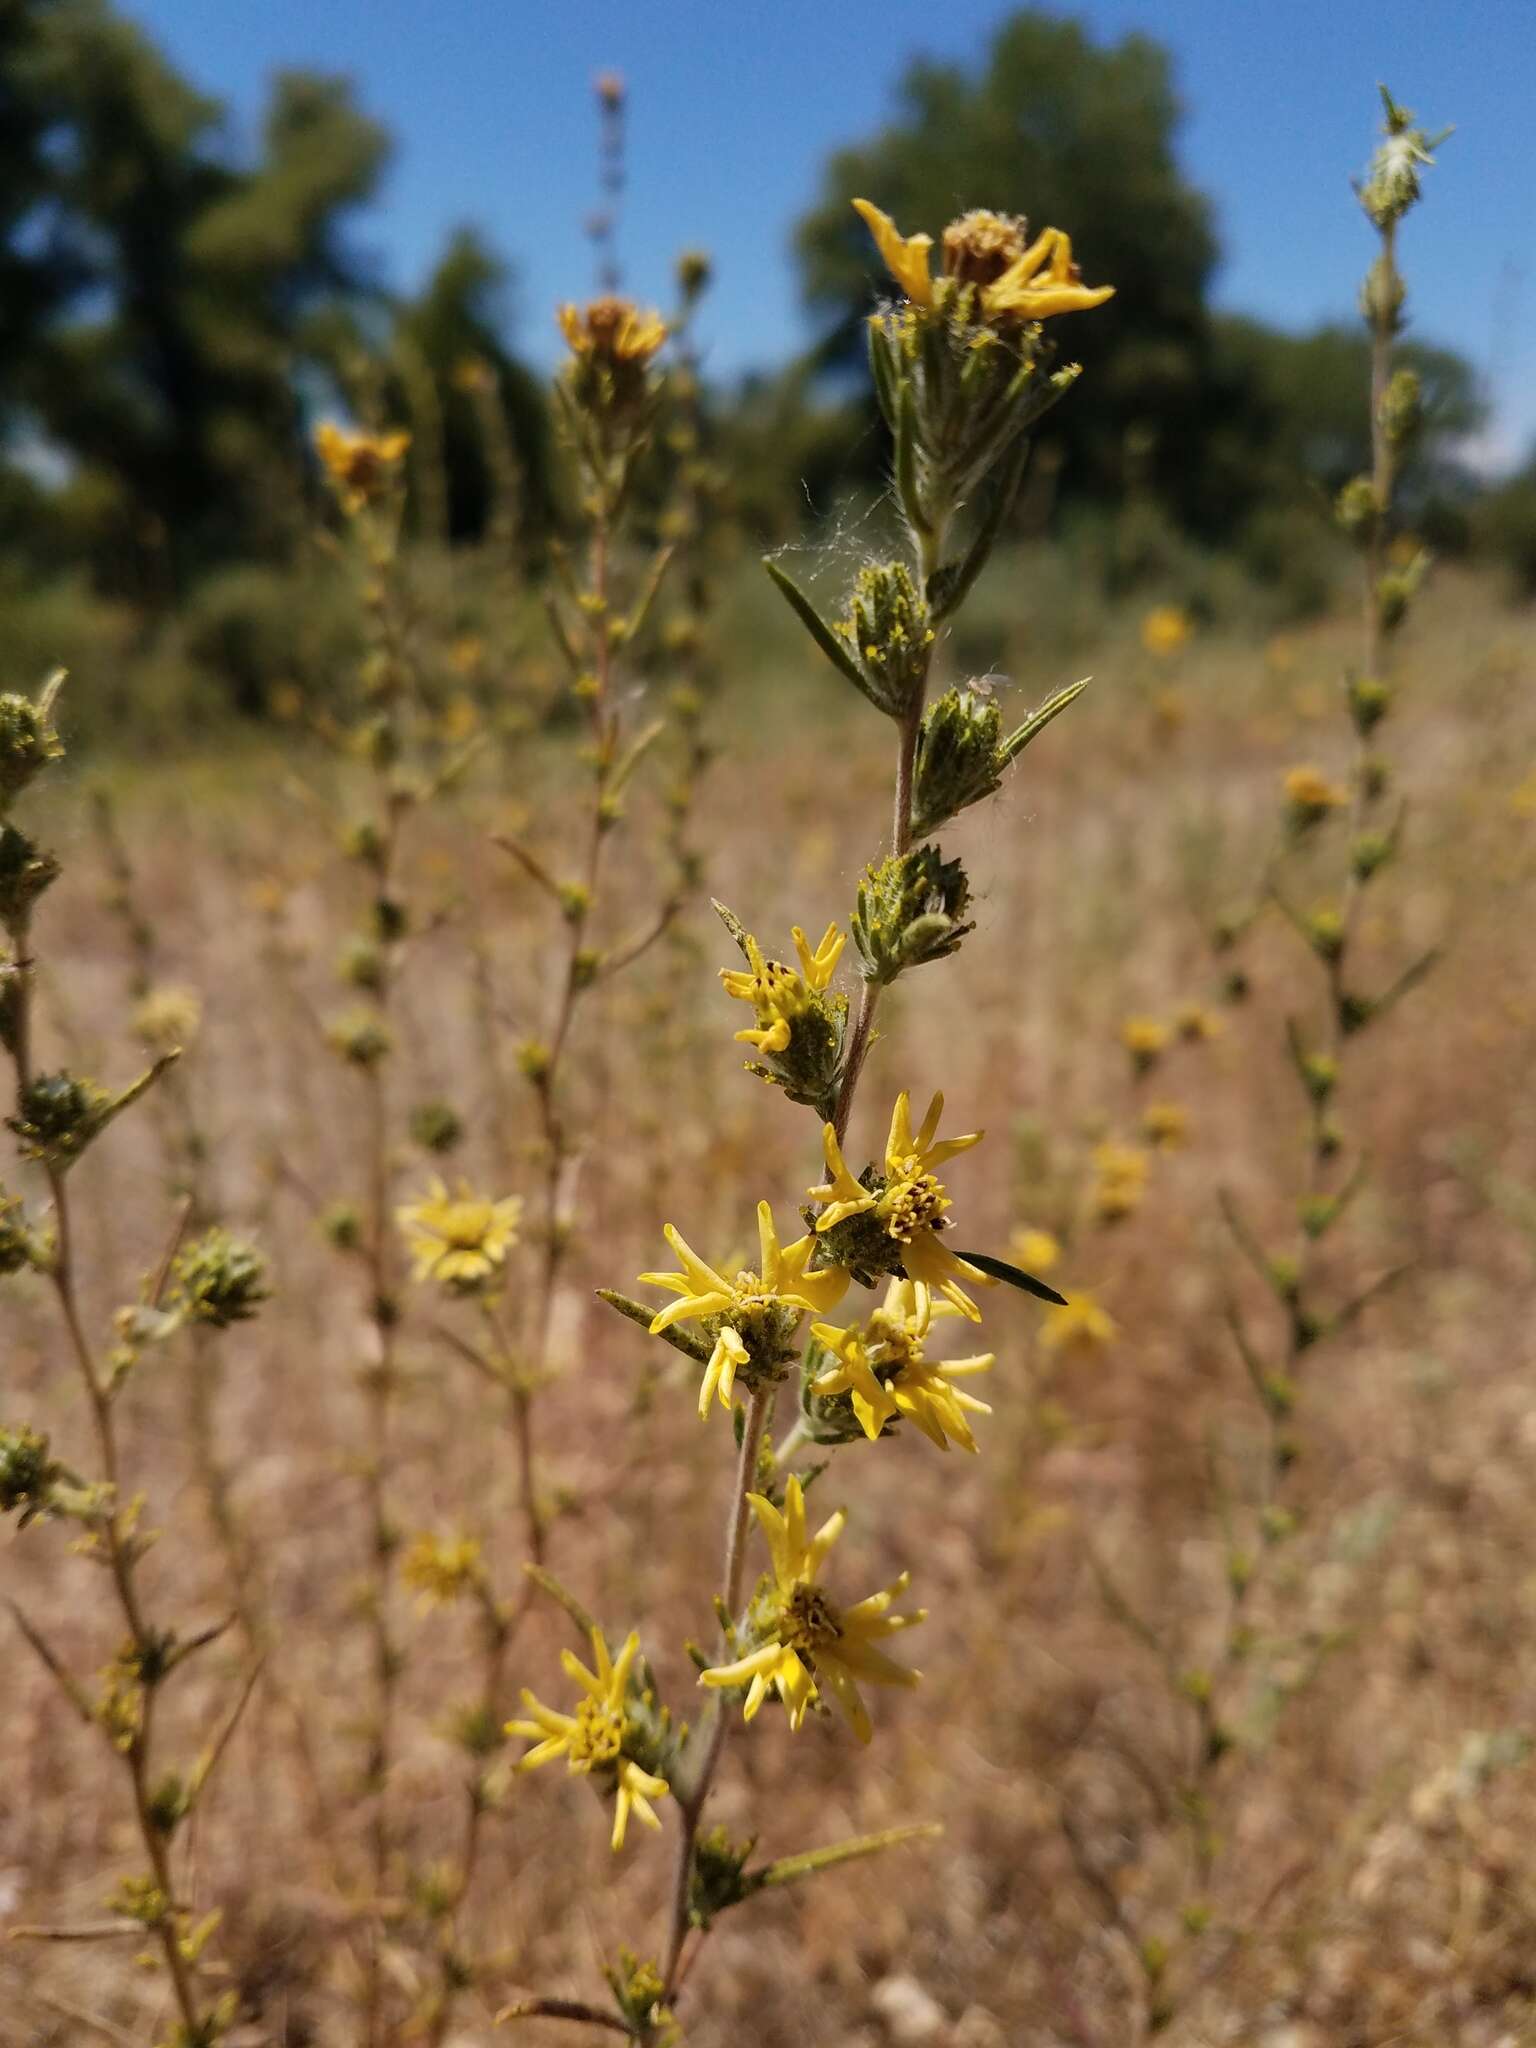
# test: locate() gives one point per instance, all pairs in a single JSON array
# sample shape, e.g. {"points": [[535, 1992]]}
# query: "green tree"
{"points": [[170, 386]]}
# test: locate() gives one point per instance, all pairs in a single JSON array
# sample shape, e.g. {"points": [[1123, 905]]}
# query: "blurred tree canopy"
{"points": [[1215, 420], [165, 307]]}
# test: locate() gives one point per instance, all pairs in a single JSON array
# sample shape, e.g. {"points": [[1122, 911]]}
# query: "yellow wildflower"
{"points": [[1083, 1325], [1122, 1180], [1037, 1251], [753, 1317], [1165, 629], [167, 1017], [592, 1739], [459, 1240], [1309, 795], [776, 992], [1144, 1038], [910, 1202], [1166, 1124], [807, 1639], [1194, 1022], [987, 251], [881, 1367], [613, 330], [361, 466], [441, 1571]]}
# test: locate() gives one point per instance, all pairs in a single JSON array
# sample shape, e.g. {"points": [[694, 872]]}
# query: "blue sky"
{"points": [[734, 108]]}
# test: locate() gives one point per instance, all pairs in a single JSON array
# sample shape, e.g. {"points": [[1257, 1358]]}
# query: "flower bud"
{"points": [[219, 1281], [910, 910]]}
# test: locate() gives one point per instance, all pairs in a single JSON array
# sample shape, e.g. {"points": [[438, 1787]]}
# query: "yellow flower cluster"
{"points": [[807, 1639]]}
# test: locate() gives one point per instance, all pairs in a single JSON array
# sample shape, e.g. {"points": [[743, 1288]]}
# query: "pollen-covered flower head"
{"points": [[442, 1569], [362, 468], [801, 1638], [458, 1240], [882, 1366], [751, 1316], [606, 1738], [1013, 280], [889, 1223]]}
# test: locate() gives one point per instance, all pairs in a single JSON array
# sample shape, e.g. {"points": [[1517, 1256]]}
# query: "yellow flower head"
{"points": [[1122, 1180], [459, 1240], [805, 1639], [1165, 629], [1082, 1326], [752, 1317], [362, 467], [1309, 795], [882, 1368], [593, 1740], [440, 1570], [777, 992], [613, 331], [987, 251], [1195, 1023], [908, 1205], [1166, 1125], [1144, 1039], [168, 1017], [1037, 1251]]}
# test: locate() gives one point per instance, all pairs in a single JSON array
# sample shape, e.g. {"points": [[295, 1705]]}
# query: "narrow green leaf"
{"points": [[1037, 721], [829, 643]]}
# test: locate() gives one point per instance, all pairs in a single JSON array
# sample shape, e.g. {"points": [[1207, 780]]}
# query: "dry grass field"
{"points": [[1372, 1873]]}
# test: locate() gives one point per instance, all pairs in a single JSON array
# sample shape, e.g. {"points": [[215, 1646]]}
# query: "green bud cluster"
{"points": [[887, 633], [911, 908], [57, 1117], [1358, 510], [436, 1126], [362, 1038], [637, 1991], [25, 872], [963, 752], [28, 741], [18, 1244], [1391, 185], [719, 1879], [28, 1475], [218, 1280], [1402, 409]]}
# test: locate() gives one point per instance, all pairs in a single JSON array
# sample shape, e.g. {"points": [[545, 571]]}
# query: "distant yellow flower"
{"points": [[1122, 1180], [987, 251], [361, 466], [167, 1017], [1082, 1326], [613, 330], [1037, 1251], [1522, 799], [459, 1240], [807, 1640], [1165, 630], [752, 1317], [1194, 1022], [592, 1740], [441, 1570], [776, 992], [1144, 1038], [909, 1204], [1309, 795], [1166, 1124], [882, 1368]]}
